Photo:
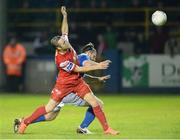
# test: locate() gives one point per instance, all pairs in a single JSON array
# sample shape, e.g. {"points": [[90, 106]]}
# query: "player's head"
{"points": [[90, 51], [13, 42], [60, 43]]}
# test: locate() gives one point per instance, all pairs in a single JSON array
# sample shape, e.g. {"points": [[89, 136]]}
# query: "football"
{"points": [[159, 18]]}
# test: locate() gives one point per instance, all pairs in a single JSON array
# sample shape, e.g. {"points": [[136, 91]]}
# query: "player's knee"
{"points": [[91, 99], [94, 103], [49, 108], [51, 105], [101, 104]]}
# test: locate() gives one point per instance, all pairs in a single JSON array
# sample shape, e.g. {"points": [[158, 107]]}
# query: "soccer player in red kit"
{"points": [[69, 80]]}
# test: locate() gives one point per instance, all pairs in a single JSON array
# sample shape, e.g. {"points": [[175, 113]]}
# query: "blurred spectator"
{"points": [[135, 3], [37, 44], [158, 40], [45, 38], [93, 4], [110, 38], [41, 44], [77, 4], [25, 4], [149, 3], [172, 47], [101, 45], [14, 56], [89, 33], [140, 44], [160, 5], [103, 4]]}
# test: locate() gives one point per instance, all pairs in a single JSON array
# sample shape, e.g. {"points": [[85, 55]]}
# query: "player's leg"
{"points": [[89, 116], [100, 102], [90, 98], [42, 110], [88, 119], [51, 115], [48, 117], [71, 99], [84, 91]]}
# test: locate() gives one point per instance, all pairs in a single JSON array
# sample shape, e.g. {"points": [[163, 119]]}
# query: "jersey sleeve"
{"points": [[67, 66], [82, 58]]}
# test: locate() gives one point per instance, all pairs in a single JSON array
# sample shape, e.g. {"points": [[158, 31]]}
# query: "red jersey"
{"points": [[68, 81], [66, 64]]}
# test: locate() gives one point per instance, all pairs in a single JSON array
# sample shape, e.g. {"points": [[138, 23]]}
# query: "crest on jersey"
{"points": [[67, 66]]}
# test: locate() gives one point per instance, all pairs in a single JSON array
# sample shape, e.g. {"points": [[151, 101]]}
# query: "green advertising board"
{"points": [[135, 71], [151, 71]]}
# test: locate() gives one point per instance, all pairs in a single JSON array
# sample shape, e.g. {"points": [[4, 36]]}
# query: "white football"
{"points": [[159, 18]]}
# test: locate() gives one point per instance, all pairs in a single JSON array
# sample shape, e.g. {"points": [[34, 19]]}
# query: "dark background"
{"points": [[123, 27]]}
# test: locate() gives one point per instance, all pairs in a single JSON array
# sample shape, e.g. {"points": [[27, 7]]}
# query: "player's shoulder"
{"points": [[82, 58], [83, 55]]}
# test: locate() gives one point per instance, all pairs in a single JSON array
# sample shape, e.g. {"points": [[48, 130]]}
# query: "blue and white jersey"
{"points": [[82, 58]]}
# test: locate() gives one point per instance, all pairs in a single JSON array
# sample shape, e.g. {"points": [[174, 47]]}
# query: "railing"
{"points": [[145, 24]]}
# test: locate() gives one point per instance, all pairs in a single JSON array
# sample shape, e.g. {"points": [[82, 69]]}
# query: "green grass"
{"points": [[134, 116]]}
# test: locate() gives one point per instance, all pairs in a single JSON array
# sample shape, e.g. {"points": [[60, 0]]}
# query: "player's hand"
{"points": [[104, 64], [63, 11], [104, 78]]}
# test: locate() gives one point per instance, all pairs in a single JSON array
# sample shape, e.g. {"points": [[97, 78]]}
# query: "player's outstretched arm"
{"points": [[99, 78], [90, 63], [100, 66], [64, 27]]}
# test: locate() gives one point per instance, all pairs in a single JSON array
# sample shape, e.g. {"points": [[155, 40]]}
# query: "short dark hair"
{"points": [[54, 40], [88, 47]]}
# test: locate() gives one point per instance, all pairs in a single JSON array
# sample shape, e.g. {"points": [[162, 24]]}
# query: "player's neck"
{"points": [[62, 51]]}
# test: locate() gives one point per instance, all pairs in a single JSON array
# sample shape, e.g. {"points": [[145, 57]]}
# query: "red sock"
{"points": [[101, 117], [36, 114]]}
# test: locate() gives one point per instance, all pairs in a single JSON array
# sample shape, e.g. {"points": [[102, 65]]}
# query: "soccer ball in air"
{"points": [[159, 18]]}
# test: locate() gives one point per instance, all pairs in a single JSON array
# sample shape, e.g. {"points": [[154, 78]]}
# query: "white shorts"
{"points": [[73, 99]]}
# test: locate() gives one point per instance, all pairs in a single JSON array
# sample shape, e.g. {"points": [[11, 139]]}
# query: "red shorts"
{"points": [[81, 88]]}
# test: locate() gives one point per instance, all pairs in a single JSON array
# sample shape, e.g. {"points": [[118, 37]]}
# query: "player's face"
{"points": [[92, 55], [63, 44]]}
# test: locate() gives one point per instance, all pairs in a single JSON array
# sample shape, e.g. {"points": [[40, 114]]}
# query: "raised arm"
{"points": [[64, 27]]}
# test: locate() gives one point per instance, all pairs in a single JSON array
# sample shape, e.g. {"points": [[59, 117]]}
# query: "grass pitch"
{"points": [[134, 116]]}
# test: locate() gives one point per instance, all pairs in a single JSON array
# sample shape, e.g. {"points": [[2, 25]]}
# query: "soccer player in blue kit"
{"points": [[87, 57]]}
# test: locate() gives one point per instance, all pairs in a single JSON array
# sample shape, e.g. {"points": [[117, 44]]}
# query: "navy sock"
{"points": [[89, 117], [40, 119]]}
